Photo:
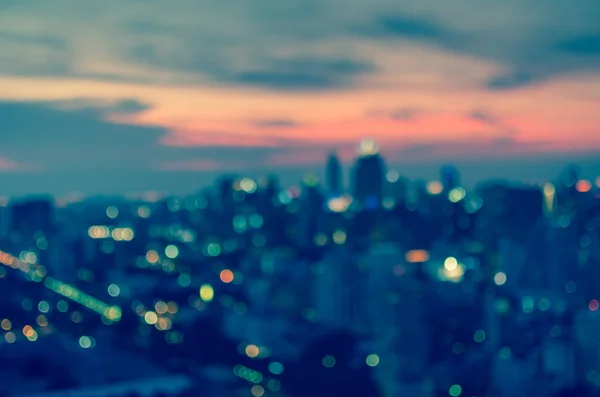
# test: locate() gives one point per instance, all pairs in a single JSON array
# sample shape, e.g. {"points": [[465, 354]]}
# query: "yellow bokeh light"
{"points": [[207, 293], [252, 351], [152, 256], [258, 391], [450, 263], [127, 234], [455, 275], [457, 194], [339, 237], [150, 318], [28, 330], [6, 324], [171, 251], [434, 188], [248, 185], [549, 189]]}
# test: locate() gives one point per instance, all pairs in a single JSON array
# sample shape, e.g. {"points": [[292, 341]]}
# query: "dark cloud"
{"points": [[405, 114], [31, 55], [530, 55], [57, 139], [53, 43], [98, 109], [304, 73], [487, 118], [582, 45], [293, 73], [510, 80], [396, 114], [277, 123], [408, 27]]}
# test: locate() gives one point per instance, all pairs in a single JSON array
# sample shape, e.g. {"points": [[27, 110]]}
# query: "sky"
{"points": [[128, 95]]}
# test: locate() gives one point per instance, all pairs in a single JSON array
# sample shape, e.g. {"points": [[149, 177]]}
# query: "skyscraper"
{"points": [[334, 177], [369, 172], [450, 177]]}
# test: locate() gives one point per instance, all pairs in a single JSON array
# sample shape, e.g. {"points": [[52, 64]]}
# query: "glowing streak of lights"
{"points": [[112, 313]]}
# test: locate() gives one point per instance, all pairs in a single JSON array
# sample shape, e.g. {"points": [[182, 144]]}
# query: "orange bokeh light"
{"points": [[583, 186], [226, 276]]}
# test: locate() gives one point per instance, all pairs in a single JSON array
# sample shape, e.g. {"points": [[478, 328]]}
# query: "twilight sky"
{"points": [[119, 95]]}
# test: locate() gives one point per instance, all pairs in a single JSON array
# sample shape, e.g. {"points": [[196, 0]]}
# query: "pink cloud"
{"points": [[217, 138]]}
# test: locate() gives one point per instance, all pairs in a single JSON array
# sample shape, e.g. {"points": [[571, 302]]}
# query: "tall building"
{"points": [[369, 172], [334, 177], [450, 177]]}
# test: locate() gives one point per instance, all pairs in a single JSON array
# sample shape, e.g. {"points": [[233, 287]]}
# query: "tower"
{"points": [[369, 172], [449, 177], [334, 177]]}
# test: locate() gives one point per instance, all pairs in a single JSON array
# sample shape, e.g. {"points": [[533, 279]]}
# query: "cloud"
{"points": [[304, 73], [401, 114], [528, 54], [407, 27], [98, 108], [487, 118], [296, 45], [276, 123], [33, 55], [260, 69], [588, 45], [405, 114], [59, 139]]}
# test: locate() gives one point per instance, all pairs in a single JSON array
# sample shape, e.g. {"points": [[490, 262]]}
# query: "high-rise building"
{"points": [[334, 177], [369, 172], [450, 177]]}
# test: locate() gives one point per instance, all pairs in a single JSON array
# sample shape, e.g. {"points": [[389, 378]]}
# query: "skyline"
{"points": [[118, 94]]}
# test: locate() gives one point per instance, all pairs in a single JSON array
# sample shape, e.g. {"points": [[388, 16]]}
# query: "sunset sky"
{"points": [[118, 95]]}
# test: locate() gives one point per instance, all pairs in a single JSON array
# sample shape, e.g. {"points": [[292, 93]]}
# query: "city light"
{"points": [[207, 293], [583, 186], [226, 276], [252, 351], [372, 360], [457, 194], [500, 278], [450, 264], [434, 188], [112, 313], [417, 256]]}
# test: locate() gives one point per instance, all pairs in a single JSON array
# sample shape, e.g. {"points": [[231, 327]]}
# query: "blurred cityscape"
{"points": [[377, 287]]}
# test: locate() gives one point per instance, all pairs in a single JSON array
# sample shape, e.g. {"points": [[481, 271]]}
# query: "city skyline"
{"points": [[132, 95]]}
